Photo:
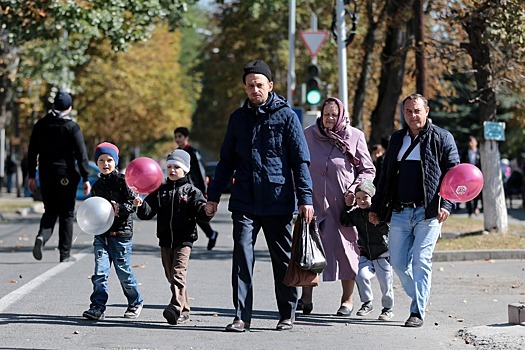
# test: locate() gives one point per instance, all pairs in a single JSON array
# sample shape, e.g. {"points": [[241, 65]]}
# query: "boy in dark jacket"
{"points": [[373, 247], [178, 205], [114, 246]]}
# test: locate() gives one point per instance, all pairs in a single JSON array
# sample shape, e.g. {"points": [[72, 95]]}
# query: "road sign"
{"points": [[314, 40]]}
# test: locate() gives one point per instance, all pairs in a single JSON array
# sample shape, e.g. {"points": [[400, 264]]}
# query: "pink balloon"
{"points": [[143, 175], [462, 183]]}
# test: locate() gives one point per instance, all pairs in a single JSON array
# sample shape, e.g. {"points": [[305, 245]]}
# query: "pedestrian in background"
{"points": [[113, 247], [472, 156], [264, 145], [178, 205], [57, 146], [197, 177], [373, 252], [417, 158], [339, 162], [10, 171]]}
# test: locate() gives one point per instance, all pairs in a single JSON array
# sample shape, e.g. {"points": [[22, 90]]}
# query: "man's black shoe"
{"points": [[414, 321], [237, 326], [38, 248], [68, 259], [284, 325], [213, 240]]}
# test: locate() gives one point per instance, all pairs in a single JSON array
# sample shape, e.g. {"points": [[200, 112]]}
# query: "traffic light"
{"points": [[313, 84]]}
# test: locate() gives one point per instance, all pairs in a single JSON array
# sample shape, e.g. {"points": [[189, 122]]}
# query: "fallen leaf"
{"points": [[13, 281]]}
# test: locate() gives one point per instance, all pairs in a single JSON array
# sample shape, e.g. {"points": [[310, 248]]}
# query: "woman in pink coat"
{"points": [[339, 162]]}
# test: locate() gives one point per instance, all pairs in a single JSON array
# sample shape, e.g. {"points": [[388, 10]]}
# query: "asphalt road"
{"points": [[41, 302]]}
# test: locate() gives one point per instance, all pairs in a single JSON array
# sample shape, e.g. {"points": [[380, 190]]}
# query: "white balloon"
{"points": [[95, 215]]}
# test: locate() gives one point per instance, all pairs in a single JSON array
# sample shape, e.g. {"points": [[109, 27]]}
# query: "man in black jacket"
{"points": [[56, 145], [417, 158], [196, 176]]}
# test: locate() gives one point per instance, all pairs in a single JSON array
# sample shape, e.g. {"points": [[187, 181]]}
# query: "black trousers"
{"points": [[278, 234], [58, 195]]}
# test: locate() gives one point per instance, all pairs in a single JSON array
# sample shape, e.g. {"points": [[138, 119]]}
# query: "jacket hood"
{"points": [[272, 104]]}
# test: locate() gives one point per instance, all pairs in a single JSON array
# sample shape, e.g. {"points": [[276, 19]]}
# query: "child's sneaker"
{"points": [[386, 314], [133, 311], [365, 309], [94, 314]]}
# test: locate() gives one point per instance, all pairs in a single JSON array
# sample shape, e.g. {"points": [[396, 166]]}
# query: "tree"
{"points": [[496, 33], [134, 99], [393, 57]]}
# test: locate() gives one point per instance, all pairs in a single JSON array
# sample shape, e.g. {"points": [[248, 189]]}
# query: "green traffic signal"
{"points": [[313, 97]]}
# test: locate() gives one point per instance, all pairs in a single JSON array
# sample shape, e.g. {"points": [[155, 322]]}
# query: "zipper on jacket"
{"points": [[171, 216]]}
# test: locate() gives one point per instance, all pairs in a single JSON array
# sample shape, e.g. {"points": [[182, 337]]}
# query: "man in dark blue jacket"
{"points": [[265, 147], [415, 162]]}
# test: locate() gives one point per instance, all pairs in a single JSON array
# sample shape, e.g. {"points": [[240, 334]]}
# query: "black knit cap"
{"points": [[257, 66], [62, 101]]}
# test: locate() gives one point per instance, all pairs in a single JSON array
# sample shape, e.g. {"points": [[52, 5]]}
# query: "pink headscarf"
{"points": [[337, 135]]}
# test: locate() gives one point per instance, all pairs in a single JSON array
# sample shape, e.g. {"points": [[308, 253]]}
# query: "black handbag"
{"points": [[309, 254]]}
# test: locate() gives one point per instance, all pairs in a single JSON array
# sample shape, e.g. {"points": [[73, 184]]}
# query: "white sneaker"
{"points": [[133, 311]]}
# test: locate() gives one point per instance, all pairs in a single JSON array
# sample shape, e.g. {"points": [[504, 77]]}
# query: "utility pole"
{"points": [[421, 74], [341, 50], [291, 50]]}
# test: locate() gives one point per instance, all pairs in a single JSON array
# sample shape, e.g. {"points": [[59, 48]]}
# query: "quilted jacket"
{"points": [[438, 154], [113, 187], [265, 147]]}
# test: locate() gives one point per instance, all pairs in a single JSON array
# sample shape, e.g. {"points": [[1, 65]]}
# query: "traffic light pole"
{"points": [[341, 50], [313, 27], [291, 50]]}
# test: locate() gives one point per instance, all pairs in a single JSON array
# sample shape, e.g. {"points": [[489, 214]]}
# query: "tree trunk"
{"points": [[494, 207], [393, 60], [368, 47]]}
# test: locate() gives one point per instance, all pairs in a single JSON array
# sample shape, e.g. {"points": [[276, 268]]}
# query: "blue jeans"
{"points": [[117, 251], [411, 243]]}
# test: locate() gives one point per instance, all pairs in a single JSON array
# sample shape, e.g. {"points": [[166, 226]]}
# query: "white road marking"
{"points": [[21, 292]]}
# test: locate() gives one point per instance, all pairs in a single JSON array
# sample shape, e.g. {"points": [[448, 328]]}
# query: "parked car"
{"points": [[93, 175], [210, 174]]}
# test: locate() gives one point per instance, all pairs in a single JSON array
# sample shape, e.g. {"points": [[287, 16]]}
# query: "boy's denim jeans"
{"points": [[411, 243], [117, 251]]}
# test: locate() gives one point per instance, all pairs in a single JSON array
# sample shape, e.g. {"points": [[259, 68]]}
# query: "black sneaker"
{"points": [[365, 309], [94, 314], [386, 314], [171, 315], [414, 321], [212, 240], [38, 248]]}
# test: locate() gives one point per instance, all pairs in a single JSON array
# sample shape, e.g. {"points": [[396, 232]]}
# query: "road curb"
{"points": [[464, 255]]}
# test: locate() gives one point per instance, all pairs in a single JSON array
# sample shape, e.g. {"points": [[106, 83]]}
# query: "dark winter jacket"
{"points": [[373, 239], [266, 148], [178, 205], [113, 187], [438, 154], [58, 144]]}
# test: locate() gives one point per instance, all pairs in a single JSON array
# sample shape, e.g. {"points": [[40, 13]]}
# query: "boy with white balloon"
{"points": [[108, 216]]}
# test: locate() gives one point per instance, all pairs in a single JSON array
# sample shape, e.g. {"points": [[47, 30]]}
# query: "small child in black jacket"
{"points": [[373, 248], [178, 205]]}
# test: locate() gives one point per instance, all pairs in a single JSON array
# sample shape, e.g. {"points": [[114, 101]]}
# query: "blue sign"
{"points": [[494, 131]]}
